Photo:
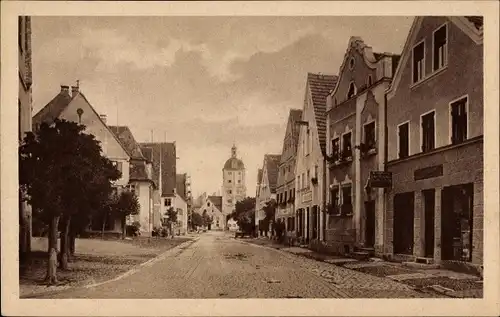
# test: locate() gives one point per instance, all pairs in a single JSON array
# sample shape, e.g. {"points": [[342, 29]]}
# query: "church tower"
{"points": [[233, 182]]}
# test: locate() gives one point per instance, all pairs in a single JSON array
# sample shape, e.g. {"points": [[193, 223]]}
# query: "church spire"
{"points": [[233, 151]]}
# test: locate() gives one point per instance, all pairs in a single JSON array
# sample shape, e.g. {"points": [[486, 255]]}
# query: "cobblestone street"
{"points": [[218, 266]]}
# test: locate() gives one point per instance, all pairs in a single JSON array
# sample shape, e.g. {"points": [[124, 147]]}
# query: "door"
{"points": [[456, 224], [314, 222], [370, 223], [403, 223], [429, 211]]}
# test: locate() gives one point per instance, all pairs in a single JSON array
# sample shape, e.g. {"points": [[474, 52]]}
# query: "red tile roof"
{"points": [[272, 162], [167, 152], [320, 86], [217, 201]]}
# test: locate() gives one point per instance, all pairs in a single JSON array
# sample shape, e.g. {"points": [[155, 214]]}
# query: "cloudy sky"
{"points": [[204, 82]]}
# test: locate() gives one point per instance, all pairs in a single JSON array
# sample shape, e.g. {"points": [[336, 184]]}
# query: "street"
{"points": [[219, 266]]}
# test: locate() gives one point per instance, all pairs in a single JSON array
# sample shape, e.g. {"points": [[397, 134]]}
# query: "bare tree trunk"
{"points": [[63, 254], [51, 277]]}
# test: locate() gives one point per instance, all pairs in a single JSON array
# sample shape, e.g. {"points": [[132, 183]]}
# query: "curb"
{"points": [[132, 271]]}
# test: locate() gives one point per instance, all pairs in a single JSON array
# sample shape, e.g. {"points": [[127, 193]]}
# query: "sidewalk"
{"points": [[441, 281], [96, 261]]}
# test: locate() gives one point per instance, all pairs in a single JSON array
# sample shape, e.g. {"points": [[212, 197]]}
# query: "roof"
{"points": [[272, 162], [234, 163], [217, 201], [476, 20], [53, 109], [165, 153], [320, 86], [259, 176], [181, 185], [126, 138], [138, 171]]}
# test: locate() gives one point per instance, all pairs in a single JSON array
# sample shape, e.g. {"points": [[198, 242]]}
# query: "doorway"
{"points": [[403, 223], [314, 223], [429, 196], [308, 225], [370, 224], [456, 224]]}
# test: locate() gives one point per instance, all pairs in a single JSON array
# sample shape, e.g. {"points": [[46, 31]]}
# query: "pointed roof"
{"points": [[217, 201], [272, 162], [320, 86], [59, 103], [127, 139], [168, 160]]}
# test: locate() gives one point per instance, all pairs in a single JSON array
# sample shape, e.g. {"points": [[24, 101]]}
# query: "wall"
{"points": [[181, 206], [461, 164], [142, 190], [238, 190], [110, 146], [463, 75]]}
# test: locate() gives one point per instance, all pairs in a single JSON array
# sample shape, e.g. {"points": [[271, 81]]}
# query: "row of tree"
{"points": [[68, 181]]}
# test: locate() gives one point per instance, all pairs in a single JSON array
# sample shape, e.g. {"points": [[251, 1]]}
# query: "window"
{"points": [[346, 145], [230, 191], [229, 181], [168, 202], [370, 135], [298, 181], [303, 180], [335, 196], [351, 63], [440, 49], [335, 148], [208, 204], [428, 129], [404, 140], [118, 165], [308, 178], [316, 171], [369, 81], [352, 90], [418, 62], [291, 194], [239, 181], [459, 121], [284, 199], [346, 200]]}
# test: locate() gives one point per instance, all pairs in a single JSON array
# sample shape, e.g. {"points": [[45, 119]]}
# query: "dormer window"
{"points": [[352, 90], [351, 63], [369, 81]]}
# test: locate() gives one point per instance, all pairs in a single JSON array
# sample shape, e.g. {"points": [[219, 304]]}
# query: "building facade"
{"points": [[310, 167], [212, 205], [435, 137], [267, 188], [233, 182], [285, 190], [25, 109], [356, 147]]}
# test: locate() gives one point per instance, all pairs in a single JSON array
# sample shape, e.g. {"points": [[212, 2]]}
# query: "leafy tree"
{"points": [[244, 214], [197, 219], [62, 170], [123, 205], [171, 219], [207, 219], [270, 211]]}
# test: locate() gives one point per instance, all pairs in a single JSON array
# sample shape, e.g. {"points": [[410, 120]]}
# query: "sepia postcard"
{"points": [[250, 158]]}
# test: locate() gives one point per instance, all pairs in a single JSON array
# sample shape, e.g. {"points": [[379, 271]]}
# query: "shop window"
{"points": [[459, 121], [418, 62], [404, 140], [440, 49], [428, 132]]}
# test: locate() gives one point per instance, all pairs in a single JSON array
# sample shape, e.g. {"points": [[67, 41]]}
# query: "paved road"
{"points": [[218, 266]]}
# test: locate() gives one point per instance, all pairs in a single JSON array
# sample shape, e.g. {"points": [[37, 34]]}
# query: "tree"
{"points": [[244, 214], [197, 219], [171, 219], [207, 219], [270, 211], [124, 205], [61, 169]]}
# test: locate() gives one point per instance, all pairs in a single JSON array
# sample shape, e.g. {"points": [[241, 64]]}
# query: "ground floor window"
{"points": [[456, 222], [403, 223]]}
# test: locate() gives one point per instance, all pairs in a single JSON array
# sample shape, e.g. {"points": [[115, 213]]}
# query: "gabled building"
{"points": [[267, 187], [164, 165], [25, 108], [356, 148], [285, 189], [140, 179], [435, 144], [212, 205], [183, 195], [75, 107], [310, 159]]}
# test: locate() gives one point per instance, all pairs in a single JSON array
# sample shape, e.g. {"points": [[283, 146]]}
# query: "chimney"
{"points": [[74, 91], [103, 117], [64, 89]]}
